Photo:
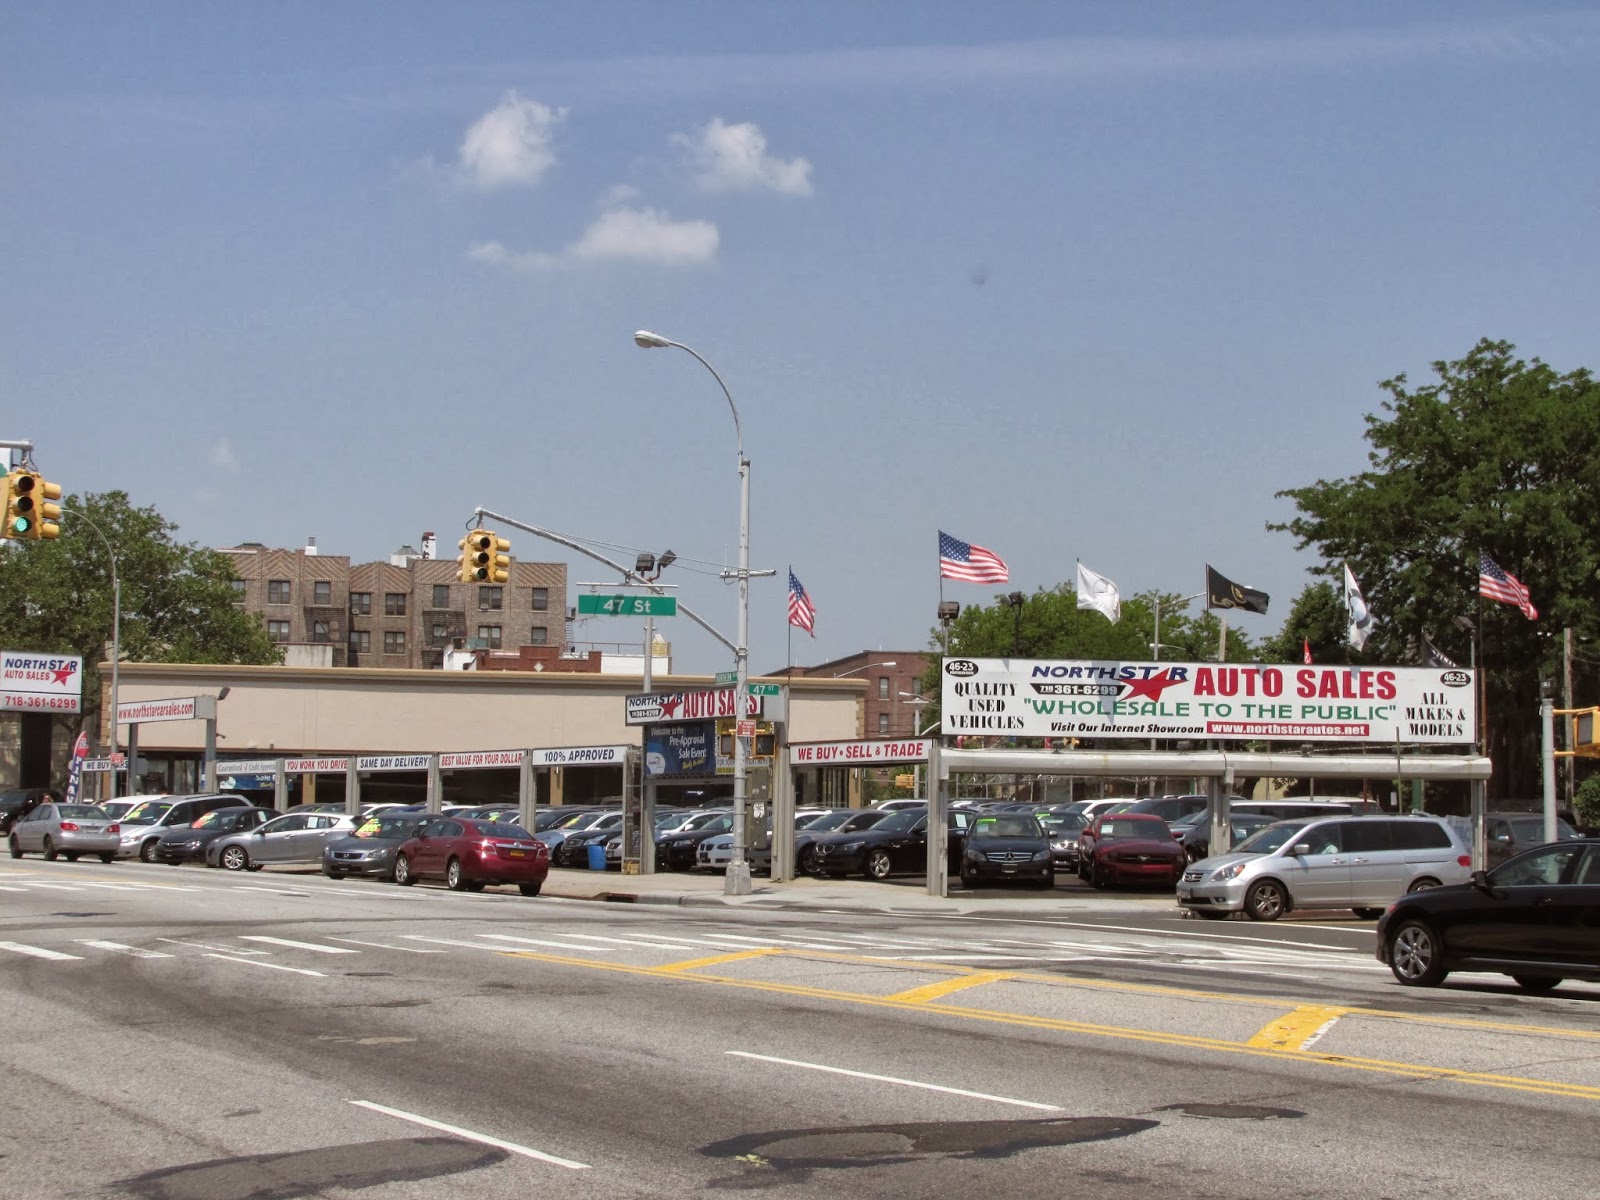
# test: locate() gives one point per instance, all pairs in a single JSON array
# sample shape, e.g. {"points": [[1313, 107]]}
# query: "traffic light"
{"points": [[30, 509], [46, 511], [484, 558], [1586, 733]]}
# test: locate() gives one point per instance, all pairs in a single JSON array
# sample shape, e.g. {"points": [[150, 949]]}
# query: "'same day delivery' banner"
{"points": [[997, 697]]}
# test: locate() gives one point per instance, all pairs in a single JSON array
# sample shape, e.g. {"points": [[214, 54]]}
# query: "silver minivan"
{"points": [[1360, 863]]}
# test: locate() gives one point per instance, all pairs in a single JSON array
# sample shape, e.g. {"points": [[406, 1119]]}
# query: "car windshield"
{"points": [[1065, 822], [499, 830], [83, 812], [828, 820], [219, 818], [702, 820], [1016, 825], [388, 827], [900, 820], [1133, 827], [146, 813], [1273, 837], [1531, 829]]}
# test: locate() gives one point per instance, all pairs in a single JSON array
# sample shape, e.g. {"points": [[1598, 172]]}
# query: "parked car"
{"points": [[1510, 833], [557, 832], [144, 824], [1171, 809], [187, 843], [573, 850], [1062, 829], [19, 802], [53, 828], [838, 820], [468, 855], [677, 851], [292, 838], [370, 847], [896, 805], [1533, 918], [119, 806], [1130, 847], [1007, 846], [1360, 863], [898, 843], [1195, 835]]}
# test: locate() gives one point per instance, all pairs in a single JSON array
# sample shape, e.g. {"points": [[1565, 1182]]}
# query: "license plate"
{"points": [[1008, 870], [519, 853], [1185, 893]]}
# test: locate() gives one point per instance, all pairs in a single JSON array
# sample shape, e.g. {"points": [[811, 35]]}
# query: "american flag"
{"points": [[1495, 582], [801, 611], [973, 564]]}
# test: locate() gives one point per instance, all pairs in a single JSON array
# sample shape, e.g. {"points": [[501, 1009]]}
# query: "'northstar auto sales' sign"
{"points": [[1232, 701]]}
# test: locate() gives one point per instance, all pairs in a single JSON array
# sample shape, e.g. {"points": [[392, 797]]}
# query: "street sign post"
{"points": [[621, 605], [764, 689]]}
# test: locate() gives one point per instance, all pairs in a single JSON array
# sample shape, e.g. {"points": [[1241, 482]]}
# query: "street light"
{"points": [[738, 878], [1155, 647], [869, 666]]}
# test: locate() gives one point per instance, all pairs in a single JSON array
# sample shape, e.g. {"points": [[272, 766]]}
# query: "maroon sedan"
{"points": [[1133, 848], [469, 854]]}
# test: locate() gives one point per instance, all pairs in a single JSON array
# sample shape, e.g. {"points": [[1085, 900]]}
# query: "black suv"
{"points": [[19, 802]]}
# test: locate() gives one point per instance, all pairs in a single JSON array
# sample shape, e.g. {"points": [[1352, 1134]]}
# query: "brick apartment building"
{"points": [[402, 613], [891, 708]]}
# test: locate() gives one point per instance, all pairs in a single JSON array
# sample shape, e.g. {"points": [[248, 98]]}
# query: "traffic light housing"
{"points": [[1586, 733], [31, 511], [484, 557]]}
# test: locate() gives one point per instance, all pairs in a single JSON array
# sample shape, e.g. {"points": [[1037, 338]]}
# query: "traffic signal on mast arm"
{"points": [[494, 561], [30, 509], [469, 553]]}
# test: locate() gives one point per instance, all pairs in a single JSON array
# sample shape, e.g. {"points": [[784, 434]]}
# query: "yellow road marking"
{"points": [[1293, 1030], [1417, 1071], [933, 991], [694, 964]]}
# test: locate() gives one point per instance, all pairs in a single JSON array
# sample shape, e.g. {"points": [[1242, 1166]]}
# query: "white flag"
{"points": [[1099, 593], [1360, 615]]}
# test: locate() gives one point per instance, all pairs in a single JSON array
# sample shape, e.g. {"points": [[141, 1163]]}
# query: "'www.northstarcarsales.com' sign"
{"points": [[1232, 701]]}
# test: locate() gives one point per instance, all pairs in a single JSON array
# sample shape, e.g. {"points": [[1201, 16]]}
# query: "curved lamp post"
{"points": [[738, 877]]}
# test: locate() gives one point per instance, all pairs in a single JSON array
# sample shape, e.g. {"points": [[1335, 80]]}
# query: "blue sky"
{"points": [[1066, 280]]}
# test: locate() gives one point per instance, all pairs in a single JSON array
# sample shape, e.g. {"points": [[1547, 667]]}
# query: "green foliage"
{"points": [[177, 598], [1496, 455], [1317, 616], [1586, 804]]}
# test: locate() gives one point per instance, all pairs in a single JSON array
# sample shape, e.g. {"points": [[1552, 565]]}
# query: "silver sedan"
{"points": [[69, 829]]}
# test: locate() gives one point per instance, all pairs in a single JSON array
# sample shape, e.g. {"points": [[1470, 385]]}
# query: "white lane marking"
{"points": [[733, 937], [527, 941], [652, 945], [204, 946], [57, 887], [277, 941], [670, 942], [39, 952], [986, 957], [256, 962], [381, 946], [5, 888], [1068, 926], [118, 887], [122, 949], [931, 1087], [484, 1138], [271, 891], [1320, 1030]]}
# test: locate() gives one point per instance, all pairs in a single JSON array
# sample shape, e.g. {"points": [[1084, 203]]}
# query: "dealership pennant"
{"points": [[1099, 593], [80, 751]]}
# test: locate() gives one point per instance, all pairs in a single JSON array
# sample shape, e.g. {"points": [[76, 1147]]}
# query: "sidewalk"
{"points": [[838, 895]]}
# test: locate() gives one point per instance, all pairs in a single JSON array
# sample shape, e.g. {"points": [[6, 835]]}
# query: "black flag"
{"points": [[1432, 656], [1224, 593]]}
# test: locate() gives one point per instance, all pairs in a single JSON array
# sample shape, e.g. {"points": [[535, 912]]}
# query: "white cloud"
{"points": [[734, 157], [221, 454], [623, 234], [510, 144]]}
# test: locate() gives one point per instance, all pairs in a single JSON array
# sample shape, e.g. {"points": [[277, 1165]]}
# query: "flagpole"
{"points": [[788, 653]]}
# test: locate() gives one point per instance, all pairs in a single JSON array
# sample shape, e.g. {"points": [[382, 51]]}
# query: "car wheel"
{"points": [[234, 858], [1368, 914], [16, 846], [808, 861], [1421, 885], [49, 849], [105, 858], [1537, 984], [147, 852], [529, 889], [1266, 901], [453, 878], [879, 865], [1415, 955], [402, 871], [334, 874]]}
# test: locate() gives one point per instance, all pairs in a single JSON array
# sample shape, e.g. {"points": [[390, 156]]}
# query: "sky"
{"points": [[1070, 281]]}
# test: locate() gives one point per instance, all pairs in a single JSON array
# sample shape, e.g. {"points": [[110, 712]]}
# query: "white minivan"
{"points": [[1354, 862]]}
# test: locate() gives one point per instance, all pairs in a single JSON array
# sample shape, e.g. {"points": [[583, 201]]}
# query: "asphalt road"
{"points": [[182, 1033]]}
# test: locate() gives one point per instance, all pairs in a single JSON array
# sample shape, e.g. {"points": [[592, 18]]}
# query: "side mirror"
{"points": [[1300, 849], [1503, 837], [1480, 880]]}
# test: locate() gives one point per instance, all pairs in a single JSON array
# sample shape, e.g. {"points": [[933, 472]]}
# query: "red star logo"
{"points": [[1152, 686], [63, 674], [669, 705]]}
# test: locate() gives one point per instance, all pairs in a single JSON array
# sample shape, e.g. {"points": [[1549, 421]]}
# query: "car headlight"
{"points": [[1041, 856], [849, 846], [1231, 871], [1061, 845], [194, 845]]}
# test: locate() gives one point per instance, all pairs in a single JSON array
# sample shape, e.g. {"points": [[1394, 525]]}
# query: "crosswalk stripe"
{"points": [[122, 949], [57, 887], [6, 888], [527, 941], [39, 952], [382, 946], [256, 962], [313, 946], [651, 945]]}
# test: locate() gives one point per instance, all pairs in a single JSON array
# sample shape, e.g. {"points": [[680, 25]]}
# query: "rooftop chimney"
{"points": [[311, 547]]}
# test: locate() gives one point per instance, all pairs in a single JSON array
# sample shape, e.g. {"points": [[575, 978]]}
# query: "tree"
{"points": [[1318, 617], [1496, 456], [177, 598]]}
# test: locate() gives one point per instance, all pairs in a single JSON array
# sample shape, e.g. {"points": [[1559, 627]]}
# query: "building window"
{"points": [[438, 634], [883, 687], [883, 723], [489, 635], [394, 604], [394, 641], [541, 599], [540, 636], [441, 595], [322, 592], [278, 591], [238, 592], [320, 632], [491, 599], [278, 631], [360, 641], [361, 603]]}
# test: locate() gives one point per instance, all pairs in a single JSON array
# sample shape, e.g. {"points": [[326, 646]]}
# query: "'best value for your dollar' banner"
{"points": [[997, 697]]}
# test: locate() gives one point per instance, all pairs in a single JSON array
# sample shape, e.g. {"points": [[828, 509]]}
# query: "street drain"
{"points": [[1233, 1112], [878, 1145]]}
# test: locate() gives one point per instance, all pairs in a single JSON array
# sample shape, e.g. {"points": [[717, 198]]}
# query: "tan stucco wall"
{"points": [[307, 711]]}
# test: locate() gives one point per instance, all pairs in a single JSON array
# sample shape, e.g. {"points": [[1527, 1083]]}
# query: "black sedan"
{"points": [[1535, 917], [369, 848], [1063, 829], [187, 843], [677, 851], [898, 843], [1007, 846], [840, 820]]}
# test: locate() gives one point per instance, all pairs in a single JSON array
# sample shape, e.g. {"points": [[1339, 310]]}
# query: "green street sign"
{"points": [[727, 677], [627, 606], [764, 689]]}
